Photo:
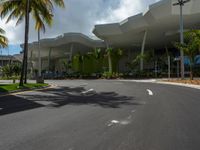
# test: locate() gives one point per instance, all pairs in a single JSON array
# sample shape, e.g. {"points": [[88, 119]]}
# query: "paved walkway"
{"points": [[162, 81]]}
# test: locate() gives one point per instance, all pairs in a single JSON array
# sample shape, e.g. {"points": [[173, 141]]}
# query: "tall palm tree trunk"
{"points": [[24, 64], [39, 56]]}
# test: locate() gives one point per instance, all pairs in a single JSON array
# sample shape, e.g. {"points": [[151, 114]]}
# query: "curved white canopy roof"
{"points": [[62, 45], [68, 38], [160, 20]]}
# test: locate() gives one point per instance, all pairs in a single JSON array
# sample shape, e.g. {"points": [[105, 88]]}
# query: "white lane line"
{"points": [[149, 92]]}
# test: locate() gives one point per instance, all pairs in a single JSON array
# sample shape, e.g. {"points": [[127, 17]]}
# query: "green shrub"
{"points": [[114, 75]]}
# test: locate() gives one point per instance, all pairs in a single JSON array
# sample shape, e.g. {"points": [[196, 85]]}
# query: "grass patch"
{"points": [[13, 87]]}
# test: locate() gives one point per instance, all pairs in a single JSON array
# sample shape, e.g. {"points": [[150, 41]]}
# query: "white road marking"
{"points": [[129, 117], [125, 122], [121, 122], [113, 122], [88, 91], [149, 92], [84, 84], [132, 111], [1, 108]]}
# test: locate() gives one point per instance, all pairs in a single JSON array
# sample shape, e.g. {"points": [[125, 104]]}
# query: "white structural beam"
{"points": [[142, 51], [71, 51], [109, 57], [49, 59]]}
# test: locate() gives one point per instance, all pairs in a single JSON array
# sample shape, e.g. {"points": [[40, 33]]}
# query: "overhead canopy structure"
{"points": [[63, 45], [158, 26]]}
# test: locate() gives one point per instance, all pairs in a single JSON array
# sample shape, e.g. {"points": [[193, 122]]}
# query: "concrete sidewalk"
{"points": [[163, 81]]}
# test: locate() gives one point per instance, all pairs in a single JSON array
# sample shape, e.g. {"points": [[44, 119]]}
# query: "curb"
{"points": [[164, 82], [179, 84]]}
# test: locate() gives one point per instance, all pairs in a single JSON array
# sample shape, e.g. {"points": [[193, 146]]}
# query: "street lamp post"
{"points": [[181, 4]]}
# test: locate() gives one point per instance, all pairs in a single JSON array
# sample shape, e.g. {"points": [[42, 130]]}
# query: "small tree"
{"points": [[148, 56], [191, 47], [118, 54]]}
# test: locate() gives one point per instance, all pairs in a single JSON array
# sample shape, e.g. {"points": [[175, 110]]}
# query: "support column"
{"points": [[109, 58], [142, 51], [49, 59], [169, 67], [182, 42], [178, 69], [71, 51], [168, 62]]}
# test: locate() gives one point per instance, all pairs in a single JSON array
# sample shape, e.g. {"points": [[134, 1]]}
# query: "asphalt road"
{"points": [[101, 115]]}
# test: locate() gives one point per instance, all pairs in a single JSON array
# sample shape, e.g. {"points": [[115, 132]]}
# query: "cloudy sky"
{"points": [[80, 16]]}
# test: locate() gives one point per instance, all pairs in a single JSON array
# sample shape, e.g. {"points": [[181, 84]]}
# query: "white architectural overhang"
{"points": [[61, 45], [69, 38], [160, 20]]}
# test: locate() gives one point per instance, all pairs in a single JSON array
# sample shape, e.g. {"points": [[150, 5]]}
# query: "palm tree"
{"points": [[97, 56], [40, 21], [19, 9], [118, 54], [3, 39], [191, 47]]}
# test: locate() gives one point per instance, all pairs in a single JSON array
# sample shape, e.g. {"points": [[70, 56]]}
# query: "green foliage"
{"points": [[148, 57], [97, 61], [114, 56], [113, 75], [11, 70], [191, 47], [41, 11], [67, 64], [3, 39]]}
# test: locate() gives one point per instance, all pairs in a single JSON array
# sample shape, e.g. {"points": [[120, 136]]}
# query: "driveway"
{"points": [[101, 115]]}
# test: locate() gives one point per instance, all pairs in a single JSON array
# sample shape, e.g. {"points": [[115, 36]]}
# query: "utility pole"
{"points": [[181, 3]]}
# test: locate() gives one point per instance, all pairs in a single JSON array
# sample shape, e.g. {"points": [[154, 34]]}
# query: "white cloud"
{"points": [[79, 16], [125, 9]]}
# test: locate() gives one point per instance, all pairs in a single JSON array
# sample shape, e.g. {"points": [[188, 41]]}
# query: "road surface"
{"points": [[101, 115]]}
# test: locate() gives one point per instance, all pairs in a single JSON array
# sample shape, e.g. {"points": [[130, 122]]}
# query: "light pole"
{"points": [[181, 4]]}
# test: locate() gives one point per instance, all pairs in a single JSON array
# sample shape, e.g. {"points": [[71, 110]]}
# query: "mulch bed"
{"points": [[195, 82]]}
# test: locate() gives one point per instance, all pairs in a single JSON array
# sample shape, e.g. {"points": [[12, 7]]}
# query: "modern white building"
{"points": [[156, 28], [59, 48]]}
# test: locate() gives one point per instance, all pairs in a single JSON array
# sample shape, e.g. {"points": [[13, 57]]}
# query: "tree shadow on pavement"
{"points": [[11, 104], [74, 96], [61, 96]]}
